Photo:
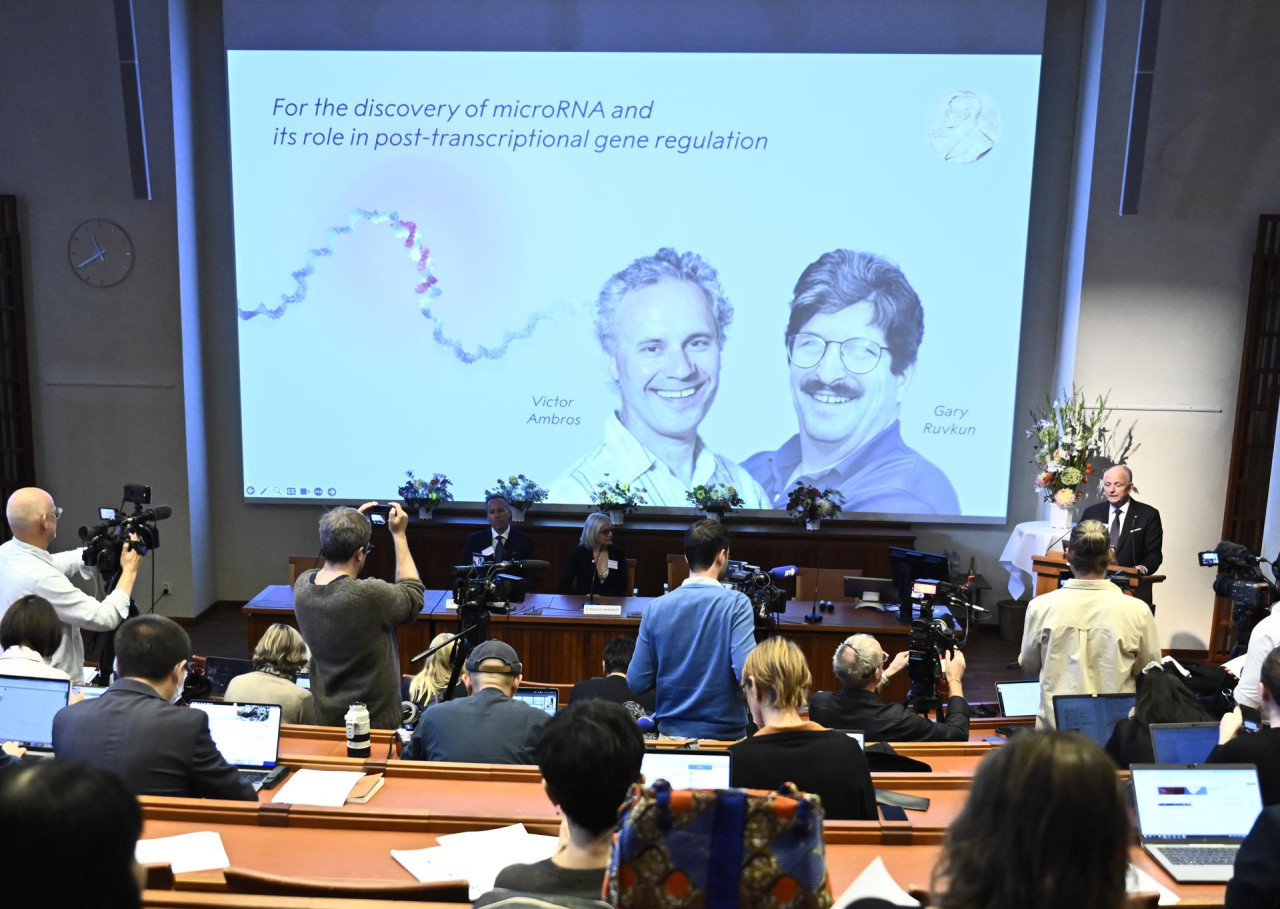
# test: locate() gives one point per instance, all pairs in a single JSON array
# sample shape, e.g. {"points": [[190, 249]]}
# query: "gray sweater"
{"points": [[349, 625]]}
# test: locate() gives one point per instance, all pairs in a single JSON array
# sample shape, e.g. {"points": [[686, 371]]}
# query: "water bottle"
{"points": [[357, 720]]}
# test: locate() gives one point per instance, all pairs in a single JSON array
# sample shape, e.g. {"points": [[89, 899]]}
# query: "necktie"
{"points": [[499, 551], [1115, 528]]}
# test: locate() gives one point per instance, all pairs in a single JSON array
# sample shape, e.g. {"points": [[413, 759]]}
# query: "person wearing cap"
{"points": [[490, 726]]}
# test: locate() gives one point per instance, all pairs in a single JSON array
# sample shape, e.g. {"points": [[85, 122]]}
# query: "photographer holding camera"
{"points": [[27, 567]]}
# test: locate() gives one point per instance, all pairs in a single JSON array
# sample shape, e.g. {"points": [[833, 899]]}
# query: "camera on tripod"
{"points": [[759, 587], [1240, 578], [930, 638], [104, 542]]}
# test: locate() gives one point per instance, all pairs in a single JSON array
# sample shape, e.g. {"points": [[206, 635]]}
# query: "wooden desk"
{"points": [[1049, 567]]}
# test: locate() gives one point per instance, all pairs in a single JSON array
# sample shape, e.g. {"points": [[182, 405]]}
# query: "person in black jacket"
{"points": [[1162, 698], [1137, 536], [613, 687], [596, 565], [786, 749], [1262, 747], [859, 663], [501, 542], [1256, 881]]}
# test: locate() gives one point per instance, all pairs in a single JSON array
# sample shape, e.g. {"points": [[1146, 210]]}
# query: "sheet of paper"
{"points": [[1138, 881], [325, 788], [428, 865], [88, 673], [479, 855], [875, 881], [187, 852]]}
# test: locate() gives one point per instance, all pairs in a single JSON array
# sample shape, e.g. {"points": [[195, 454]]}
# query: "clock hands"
{"points": [[100, 254]]}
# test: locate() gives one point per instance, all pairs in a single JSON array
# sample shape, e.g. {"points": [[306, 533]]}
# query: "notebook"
{"points": [[1183, 743], [685, 769], [1095, 715], [545, 699], [247, 735], [1192, 819], [221, 670], [27, 706], [1018, 698]]}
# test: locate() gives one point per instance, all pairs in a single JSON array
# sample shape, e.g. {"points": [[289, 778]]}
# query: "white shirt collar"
{"points": [[698, 580]]}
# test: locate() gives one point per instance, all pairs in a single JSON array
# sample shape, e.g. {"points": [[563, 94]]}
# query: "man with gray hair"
{"points": [[661, 322], [349, 624], [859, 663]]}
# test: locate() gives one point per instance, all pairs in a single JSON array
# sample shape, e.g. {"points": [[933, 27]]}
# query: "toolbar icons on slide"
{"points": [[332, 492], [248, 490]]}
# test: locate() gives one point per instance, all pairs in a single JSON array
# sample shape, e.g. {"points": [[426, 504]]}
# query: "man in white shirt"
{"points": [[1264, 639], [27, 567]]}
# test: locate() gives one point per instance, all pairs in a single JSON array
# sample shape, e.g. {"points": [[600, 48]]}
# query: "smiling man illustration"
{"points": [[662, 322], [856, 325]]}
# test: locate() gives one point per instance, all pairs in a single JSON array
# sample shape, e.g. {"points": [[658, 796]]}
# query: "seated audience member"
{"points": [[136, 732], [1086, 637], [349, 623], [1236, 746], [589, 755], [501, 542], [613, 687], [859, 663], [68, 837], [1045, 825], [1256, 881], [596, 565], [428, 686], [277, 660], [490, 726], [30, 633], [820, 761], [1162, 698]]}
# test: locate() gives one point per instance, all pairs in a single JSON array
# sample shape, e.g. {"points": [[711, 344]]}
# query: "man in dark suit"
{"points": [[613, 687], [501, 542], [135, 731], [1136, 533]]}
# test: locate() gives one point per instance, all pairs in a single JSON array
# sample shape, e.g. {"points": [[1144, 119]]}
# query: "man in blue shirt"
{"points": [[693, 643]]}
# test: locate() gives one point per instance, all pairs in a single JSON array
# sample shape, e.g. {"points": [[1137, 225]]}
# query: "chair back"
{"points": [[677, 570], [631, 576]]}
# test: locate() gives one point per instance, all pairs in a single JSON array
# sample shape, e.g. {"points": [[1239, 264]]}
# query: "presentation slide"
{"points": [[651, 268]]}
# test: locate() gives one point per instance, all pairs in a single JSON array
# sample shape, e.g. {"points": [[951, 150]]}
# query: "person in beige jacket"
{"points": [[277, 660]]}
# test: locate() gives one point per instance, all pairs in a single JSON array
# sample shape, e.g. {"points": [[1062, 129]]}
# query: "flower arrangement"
{"points": [[1069, 436], [419, 493], [808, 503], [714, 497], [520, 491], [615, 496]]}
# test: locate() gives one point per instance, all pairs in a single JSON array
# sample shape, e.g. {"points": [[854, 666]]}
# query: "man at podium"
{"points": [[1134, 527]]}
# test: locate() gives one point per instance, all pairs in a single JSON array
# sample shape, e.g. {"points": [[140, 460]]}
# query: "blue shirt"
{"points": [[692, 645]]}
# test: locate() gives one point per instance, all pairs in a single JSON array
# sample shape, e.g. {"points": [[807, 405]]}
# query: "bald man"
{"points": [[27, 567]]}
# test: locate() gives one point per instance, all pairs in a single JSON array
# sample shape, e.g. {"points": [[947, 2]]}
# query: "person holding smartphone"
{"points": [[1238, 745]]}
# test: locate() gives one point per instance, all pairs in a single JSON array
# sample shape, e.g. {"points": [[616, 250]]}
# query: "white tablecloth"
{"points": [[1028, 540]]}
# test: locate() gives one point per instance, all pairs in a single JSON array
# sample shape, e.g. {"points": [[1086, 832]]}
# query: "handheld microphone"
{"points": [[646, 724], [782, 572]]}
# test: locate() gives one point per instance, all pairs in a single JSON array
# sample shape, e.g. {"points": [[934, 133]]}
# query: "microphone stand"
{"points": [[814, 617], [591, 587]]}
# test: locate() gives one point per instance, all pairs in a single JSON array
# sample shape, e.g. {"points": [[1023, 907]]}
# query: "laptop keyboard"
{"points": [[254, 778], [1200, 855]]}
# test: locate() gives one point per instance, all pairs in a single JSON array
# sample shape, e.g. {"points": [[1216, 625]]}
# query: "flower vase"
{"points": [[615, 516], [424, 513], [517, 515], [1060, 518], [713, 515], [812, 523]]}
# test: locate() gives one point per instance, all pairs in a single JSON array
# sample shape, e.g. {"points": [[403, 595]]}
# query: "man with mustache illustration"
{"points": [[856, 325], [661, 322]]}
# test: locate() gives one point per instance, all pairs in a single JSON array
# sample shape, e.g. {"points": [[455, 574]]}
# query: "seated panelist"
{"points": [[500, 542], [596, 565]]}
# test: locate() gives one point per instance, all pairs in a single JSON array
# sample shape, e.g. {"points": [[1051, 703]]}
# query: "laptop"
{"points": [[247, 735], [1018, 698], [685, 769], [303, 681], [27, 706], [1095, 715], [858, 737], [1183, 743], [221, 670], [1192, 819], [87, 692], [545, 699]]}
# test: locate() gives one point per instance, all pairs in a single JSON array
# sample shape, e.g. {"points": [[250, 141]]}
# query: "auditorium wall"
{"points": [[122, 393]]}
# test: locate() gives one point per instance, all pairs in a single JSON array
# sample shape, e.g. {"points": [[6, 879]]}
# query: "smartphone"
{"points": [[893, 813], [1209, 559]]}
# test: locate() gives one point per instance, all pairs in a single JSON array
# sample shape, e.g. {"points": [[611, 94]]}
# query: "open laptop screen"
{"points": [[1018, 698], [27, 706], [247, 735], [1095, 715], [1180, 803], [687, 769], [221, 670], [545, 699], [1183, 743]]}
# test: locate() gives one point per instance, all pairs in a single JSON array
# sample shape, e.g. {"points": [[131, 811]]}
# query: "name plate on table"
{"points": [[602, 609]]}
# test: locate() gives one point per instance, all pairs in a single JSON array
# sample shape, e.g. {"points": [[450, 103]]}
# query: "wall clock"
{"points": [[100, 252]]}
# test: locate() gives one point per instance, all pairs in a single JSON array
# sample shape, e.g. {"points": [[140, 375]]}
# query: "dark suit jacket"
{"points": [[610, 688], [862, 710], [580, 576], [519, 546], [154, 746], [486, 728], [1256, 884], [1141, 534]]}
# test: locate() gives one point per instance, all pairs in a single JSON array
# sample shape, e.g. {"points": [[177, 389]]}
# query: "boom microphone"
{"points": [[159, 513], [523, 565], [782, 572]]}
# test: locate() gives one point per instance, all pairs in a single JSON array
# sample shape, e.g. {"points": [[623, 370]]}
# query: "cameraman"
{"points": [[27, 567], [860, 666]]}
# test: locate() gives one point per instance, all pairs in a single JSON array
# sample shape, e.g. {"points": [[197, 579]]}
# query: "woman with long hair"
{"points": [[1162, 698], [596, 565]]}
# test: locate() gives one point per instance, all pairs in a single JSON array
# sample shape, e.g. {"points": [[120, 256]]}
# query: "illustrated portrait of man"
{"points": [[661, 322], [856, 325], [965, 140]]}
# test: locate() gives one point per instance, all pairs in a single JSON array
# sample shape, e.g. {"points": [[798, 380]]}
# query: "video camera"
{"points": [[930, 638], [104, 542], [1240, 578], [487, 588], [760, 587]]}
